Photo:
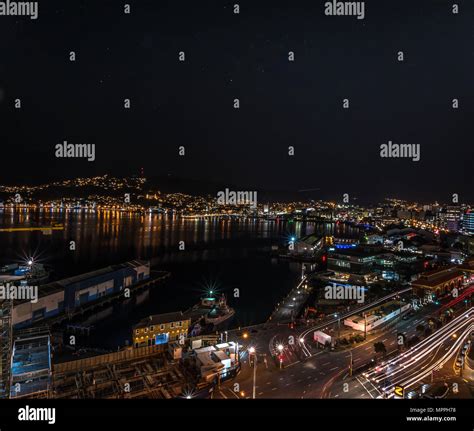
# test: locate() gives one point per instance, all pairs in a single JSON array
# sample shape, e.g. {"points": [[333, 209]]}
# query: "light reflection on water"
{"points": [[233, 254]]}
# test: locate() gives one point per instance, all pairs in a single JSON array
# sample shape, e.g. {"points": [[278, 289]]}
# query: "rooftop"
{"points": [[158, 319], [468, 265], [31, 365], [58, 286], [437, 277], [365, 251]]}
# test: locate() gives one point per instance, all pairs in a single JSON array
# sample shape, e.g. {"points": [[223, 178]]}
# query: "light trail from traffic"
{"points": [[409, 362], [303, 335]]}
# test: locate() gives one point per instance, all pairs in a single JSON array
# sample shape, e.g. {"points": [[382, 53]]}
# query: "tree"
{"points": [[413, 340], [379, 347], [420, 328]]}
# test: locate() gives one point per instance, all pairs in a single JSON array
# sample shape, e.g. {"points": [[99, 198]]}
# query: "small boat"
{"points": [[219, 313], [30, 272]]}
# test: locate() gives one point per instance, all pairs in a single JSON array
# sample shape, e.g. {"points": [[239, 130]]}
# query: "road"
{"points": [[304, 375], [309, 372], [429, 360]]}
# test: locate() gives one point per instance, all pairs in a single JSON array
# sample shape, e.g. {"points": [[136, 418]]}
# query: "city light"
{"points": [[304, 230]]}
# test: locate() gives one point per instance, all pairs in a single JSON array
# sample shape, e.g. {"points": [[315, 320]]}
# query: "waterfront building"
{"points": [[357, 261], [160, 329], [438, 282], [70, 294], [400, 265], [306, 245]]}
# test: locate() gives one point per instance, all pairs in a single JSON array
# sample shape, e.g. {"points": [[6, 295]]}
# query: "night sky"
{"points": [[243, 56]]}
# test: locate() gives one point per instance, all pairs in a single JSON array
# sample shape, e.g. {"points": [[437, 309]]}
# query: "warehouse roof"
{"points": [[58, 286]]}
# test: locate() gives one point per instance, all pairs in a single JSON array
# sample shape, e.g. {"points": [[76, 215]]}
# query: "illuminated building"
{"points": [[453, 218], [438, 282], [468, 222], [468, 268], [160, 329]]}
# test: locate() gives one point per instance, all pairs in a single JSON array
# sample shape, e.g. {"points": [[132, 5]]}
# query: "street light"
{"points": [[351, 364], [338, 325], [252, 351], [280, 348]]}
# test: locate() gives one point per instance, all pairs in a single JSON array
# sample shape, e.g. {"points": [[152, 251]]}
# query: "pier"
{"points": [[96, 306]]}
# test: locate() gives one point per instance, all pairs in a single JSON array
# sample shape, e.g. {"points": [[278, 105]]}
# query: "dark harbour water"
{"points": [[221, 255]]}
